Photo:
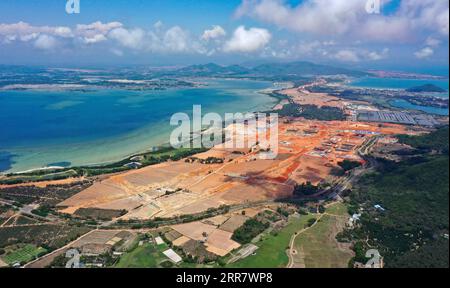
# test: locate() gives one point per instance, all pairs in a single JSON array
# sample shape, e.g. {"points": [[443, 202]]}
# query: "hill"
{"points": [[303, 68], [426, 88], [212, 69], [276, 70], [411, 230]]}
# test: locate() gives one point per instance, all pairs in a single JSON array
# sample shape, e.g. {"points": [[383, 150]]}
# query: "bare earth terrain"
{"points": [[308, 151]]}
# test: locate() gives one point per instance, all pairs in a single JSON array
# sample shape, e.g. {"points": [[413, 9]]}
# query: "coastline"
{"points": [[269, 92]]}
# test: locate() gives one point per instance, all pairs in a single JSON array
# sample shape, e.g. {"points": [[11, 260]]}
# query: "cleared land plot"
{"points": [[216, 221], [99, 237], [3, 264], [217, 241], [220, 243], [304, 158], [172, 235], [233, 223], [195, 230], [181, 241], [318, 247], [272, 247]]}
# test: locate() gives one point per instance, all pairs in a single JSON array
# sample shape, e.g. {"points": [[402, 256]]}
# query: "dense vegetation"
{"points": [[435, 141], [249, 230], [348, 165], [305, 189], [412, 230], [426, 88], [99, 214], [312, 112], [49, 196]]}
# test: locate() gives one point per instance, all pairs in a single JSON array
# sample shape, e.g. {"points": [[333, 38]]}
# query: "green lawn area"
{"points": [[338, 209], [318, 248], [24, 254], [145, 256], [272, 249]]}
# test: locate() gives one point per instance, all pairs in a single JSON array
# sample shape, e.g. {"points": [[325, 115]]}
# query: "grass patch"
{"points": [[337, 209], [145, 256], [272, 248], [24, 254], [318, 248]]}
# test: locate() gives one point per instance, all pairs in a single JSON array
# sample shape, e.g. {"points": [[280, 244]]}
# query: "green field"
{"points": [[146, 256], [338, 209], [24, 254], [317, 247], [272, 248]]}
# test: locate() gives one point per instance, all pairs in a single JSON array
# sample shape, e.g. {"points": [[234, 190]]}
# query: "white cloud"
{"points": [[346, 56], [375, 56], [433, 42], [95, 39], [356, 55], [158, 25], [424, 53], [349, 18], [247, 41], [214, 33], [87, 33], [29, 37], [45, 42], [96, 28], [176, 40], [25, 32], [133, 38], [63, 32]]}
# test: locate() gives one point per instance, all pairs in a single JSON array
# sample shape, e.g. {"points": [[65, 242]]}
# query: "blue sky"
{"points": [[407, 34]]}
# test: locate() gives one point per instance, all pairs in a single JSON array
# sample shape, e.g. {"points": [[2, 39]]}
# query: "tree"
{"points": [[311, 222], [348, 165], [305, 189], [322, 209]]}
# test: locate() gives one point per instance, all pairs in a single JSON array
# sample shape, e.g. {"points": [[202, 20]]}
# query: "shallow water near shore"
{"points": [[41, 129]]}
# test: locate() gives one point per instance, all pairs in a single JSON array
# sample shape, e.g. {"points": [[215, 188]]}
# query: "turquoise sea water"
{"points": [[395, 83], [398, 83], [62, 128], [403, 104]]}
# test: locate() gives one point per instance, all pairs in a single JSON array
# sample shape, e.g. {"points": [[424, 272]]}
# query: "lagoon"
{"points": [[398, 83], [41, 128]]}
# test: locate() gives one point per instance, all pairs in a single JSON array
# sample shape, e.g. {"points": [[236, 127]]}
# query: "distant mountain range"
{"points": [[293, 69]]}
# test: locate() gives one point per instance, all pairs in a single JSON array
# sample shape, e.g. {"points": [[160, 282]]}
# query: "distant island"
{"points": [[426, 88]]}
